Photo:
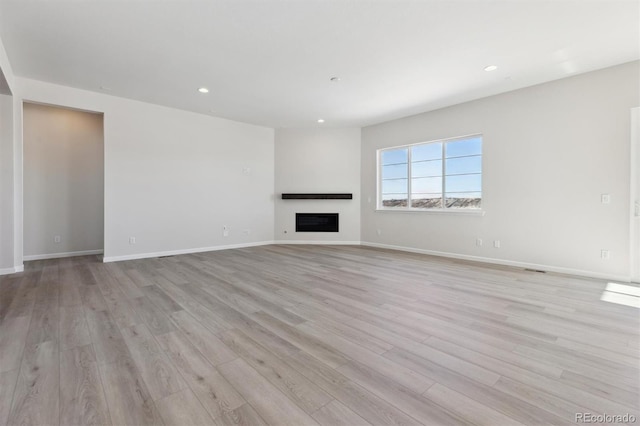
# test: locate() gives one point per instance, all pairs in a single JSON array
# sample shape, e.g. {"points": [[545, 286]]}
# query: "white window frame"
{"points": [[443, 209]]}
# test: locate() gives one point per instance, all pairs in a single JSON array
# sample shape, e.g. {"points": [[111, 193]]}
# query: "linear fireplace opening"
{"points": [[316, 222]]}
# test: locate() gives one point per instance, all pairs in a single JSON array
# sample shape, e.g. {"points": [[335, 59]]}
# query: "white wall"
{"points": [[550, 151], [63, 181], [635, 195], [10, 260], [174, 178], [316, 160], [6, 184]]}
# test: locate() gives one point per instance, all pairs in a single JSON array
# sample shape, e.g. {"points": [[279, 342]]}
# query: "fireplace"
{"points": [[316, 222]]}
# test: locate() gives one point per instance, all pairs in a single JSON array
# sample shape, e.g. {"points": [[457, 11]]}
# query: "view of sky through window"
{"points": [[440, 174]]}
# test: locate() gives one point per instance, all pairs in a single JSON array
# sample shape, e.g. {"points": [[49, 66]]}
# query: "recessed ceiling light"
{"points": [[320, 120], [203, 90], [491, 68]]}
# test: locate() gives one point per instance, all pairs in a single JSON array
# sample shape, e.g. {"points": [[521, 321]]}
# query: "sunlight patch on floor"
{"points": [[622, 294]]}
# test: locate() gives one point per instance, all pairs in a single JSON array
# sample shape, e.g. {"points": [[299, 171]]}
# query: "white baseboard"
{"points": [[182, 251], [548, 268], [61, 255], [318, 243], [12, 270]]}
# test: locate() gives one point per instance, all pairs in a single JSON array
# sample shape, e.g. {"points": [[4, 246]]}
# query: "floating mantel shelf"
{"points": [[317, 196]]}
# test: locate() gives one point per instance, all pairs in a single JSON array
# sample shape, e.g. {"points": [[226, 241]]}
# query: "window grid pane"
{"points": [[394, 186], [394, 175], [394, 156], [395, 200], [426, 202], [395, 171], [466, 202], [427, 151], [463, 147], [430, 168], [463, 183], [464, 165], [426, 185]]}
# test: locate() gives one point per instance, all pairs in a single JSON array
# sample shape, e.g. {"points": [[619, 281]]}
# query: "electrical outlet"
{"points": [[605, 198], [246, 231], [379, 232], [57, 239], [479, 242], [225, 231], [496, 243], [605, 255], [132, 240], [246, 170]]}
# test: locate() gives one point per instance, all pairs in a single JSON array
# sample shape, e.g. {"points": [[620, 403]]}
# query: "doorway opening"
{"points": [[63, 182]]}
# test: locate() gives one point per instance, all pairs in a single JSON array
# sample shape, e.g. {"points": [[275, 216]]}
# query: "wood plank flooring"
{"points": [[307, 335]]}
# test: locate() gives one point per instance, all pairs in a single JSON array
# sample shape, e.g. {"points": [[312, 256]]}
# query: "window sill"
{"points": [[455, 212]]}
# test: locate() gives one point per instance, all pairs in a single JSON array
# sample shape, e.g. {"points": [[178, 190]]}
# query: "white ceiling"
{"points": [[269, 62]]}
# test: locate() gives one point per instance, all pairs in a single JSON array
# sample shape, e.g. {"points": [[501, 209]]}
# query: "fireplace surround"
{"points": [[317, 222]]}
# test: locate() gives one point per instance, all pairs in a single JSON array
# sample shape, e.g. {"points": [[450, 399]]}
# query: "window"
{"points": [[444, 174]]}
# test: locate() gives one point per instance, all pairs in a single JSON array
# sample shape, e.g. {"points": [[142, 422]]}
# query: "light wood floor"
{"points": [[302, 335]]}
